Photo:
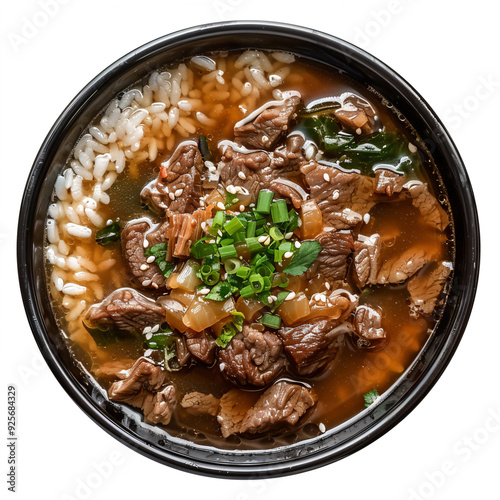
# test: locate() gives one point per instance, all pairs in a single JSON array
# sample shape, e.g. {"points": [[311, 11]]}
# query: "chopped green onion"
{"points": [[247, 292], [264, 201], [253, 245], [212, 278], [239, 236], [232, 265], [267, 283], [243, 272], [266, 270], [219, 219], [275, 233], [233, 226], [252, 225], [228, 252], [279, 211], [226, 241], [271, 320], [256, 282]]}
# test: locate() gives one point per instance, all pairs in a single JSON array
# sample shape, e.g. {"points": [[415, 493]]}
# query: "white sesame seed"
{"points": [[150, 259], [288, 255], [322, 298], [148, 352], [178, 192], [212, 168], [146, 283], [326, 177], [322, 427], [171, 196], [330, 304], [358, 131], [145, 243], [315, 297], [147, 329], [149, 336], [412, 147], [366, 218], [335, 194], [144, 267], [327, 285], [242, 175], [288, 236], [297, 244], [267, 241], [222, 366], [203, 225], [154, 285], [220, 205], [262, 238], [202, 203], [242, 208], [290, 296], [155, 328], [270, 299], [231, 189], [204, 291], [219, 232], [265, 139], [239, 189], [108, 222]]}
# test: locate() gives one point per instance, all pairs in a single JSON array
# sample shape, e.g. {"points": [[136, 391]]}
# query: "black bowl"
{"points": [[343, 440]]}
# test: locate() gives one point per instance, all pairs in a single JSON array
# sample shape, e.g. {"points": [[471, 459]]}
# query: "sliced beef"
{"points": [[425, 289], [367, 259], [332, 259], [201, 345], [183, 230], [234, 405], [200, 404], [141, 387], [127, 309], [388, 182], [281, 405], [265, 130], [402, 267], [252, 358], [112, 368], [356, 114], [133, 237], [343, 197], [433, 213], [368, 327], [178, 187], [182, 351], [312, 346]]}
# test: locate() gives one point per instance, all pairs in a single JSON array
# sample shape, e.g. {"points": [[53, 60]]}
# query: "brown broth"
{"points": [[341, 387]]}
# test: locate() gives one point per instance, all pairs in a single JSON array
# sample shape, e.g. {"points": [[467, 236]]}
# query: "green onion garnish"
{"points": [[252, 225], [232, 265], [271, 320], [279, 211], [233, 226], [247, 292], [253, 245], [243, 272], [256, 282], [228, 252], [264, 201], [219, 219]]}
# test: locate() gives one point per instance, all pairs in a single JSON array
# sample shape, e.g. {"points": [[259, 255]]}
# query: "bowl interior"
{"points": [[125, 424]]}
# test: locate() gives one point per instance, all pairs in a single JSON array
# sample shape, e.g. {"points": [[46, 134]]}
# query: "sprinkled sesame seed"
{"points": [[171, 196], [262, 238], [108, 222], [270, 299], [322, 427], [267, 241], [242, 175], [231, 189], [150, 259], [290, 296], [358, 131], [288, 236], [178, 192], [220, 205], [219, 232], [222, 366], [203, 225], [297, 244], [202, 203], [327, 285], [149, 336], [322, 297], [145, 243], [155, 328], [287, 255], [146, 283], [147, 329], [326, 177], [412, 147], [335, 194], [154, 285], [366, 218], [204, 291], [144, 267], [242, 208]]}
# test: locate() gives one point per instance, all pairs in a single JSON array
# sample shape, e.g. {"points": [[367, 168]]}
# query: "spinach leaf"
{"points": [[303, 258], [108, 235]]}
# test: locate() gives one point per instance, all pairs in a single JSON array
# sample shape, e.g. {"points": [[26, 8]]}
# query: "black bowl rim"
{"points": [[240, 470]]}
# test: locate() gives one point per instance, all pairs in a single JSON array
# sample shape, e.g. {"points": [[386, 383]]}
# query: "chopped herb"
{"points": [[170, 352], [371, 397], [231, 329], [105, 335], [281, 297], [264, 202], [231, 199], [271, 320], [159, 252], [201, 249], [108, 235], [204, 149], [221, 291], [303, 258]]}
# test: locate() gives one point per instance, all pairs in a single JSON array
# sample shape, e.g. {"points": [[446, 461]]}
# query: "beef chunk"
{"points": [[200, 404], [178, 187], [271, 123], [141, 386], [342, 197], [201, 345], [332, 259], [282, 404], [234, 405], [425, 289], [388, 182], [367, 259], [112, 368], [368, 327], [128, 310], [134, 234], [313, 345], [356, 114], [183, 230], [433, 213], [252, 357]]}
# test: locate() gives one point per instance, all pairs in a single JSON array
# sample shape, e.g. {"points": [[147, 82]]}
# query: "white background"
{"points": [[449, 53]]}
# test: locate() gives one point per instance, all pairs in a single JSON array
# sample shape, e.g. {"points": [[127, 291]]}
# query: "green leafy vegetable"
{"points": [[303, 258], [371, 397], [231, 199], [281, 297], [108, 235], [231, 329], [159, 252], [160, 339], [204, 149], [105, 335], [221, 291]]}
